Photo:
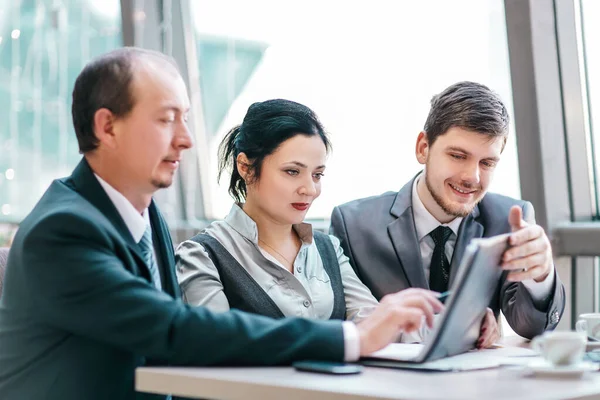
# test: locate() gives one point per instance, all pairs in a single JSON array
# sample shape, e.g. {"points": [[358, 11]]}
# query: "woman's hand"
{"points": [[490, 332]]}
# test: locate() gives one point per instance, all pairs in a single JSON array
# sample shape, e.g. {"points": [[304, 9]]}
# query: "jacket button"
{"points": [[306, 303]]}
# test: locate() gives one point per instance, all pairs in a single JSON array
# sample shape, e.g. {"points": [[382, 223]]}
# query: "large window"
{"points": [[43, 46], [590, 11], [368, 69]]}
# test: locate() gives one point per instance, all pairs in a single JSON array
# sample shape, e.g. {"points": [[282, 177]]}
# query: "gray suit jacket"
{"points": [[378, 234]]}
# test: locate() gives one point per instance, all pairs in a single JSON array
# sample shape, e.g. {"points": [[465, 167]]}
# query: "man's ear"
{"points": [[243, 165], [422, 148], [104, 128]]}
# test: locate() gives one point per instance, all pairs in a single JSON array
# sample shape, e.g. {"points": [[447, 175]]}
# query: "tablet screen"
{"points": [[477, 279]]}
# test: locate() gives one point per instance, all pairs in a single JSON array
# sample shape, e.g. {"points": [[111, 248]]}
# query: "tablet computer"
{"points": [[457, 328]]}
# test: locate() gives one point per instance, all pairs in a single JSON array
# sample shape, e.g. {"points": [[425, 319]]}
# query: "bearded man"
{"points": [[416, 237]]}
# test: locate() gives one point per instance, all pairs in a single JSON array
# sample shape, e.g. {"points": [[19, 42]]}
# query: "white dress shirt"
{"points": [[425, 223], [136, 223]]}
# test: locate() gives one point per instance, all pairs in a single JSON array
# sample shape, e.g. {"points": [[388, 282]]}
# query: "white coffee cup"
{"points": [[560, 348], [589, 324]]}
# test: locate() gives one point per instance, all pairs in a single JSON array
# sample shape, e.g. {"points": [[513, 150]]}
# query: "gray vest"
{"points": [[244, 293]]}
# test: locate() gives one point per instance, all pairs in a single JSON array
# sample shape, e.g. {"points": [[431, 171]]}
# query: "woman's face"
{"points": [[290, 180]]}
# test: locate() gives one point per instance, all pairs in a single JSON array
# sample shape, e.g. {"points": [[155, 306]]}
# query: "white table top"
{"points": [[374, 383]]}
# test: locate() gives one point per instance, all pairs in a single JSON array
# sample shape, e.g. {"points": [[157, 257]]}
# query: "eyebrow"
{"points": [[461, 150], [301, 165], [174, 108]]}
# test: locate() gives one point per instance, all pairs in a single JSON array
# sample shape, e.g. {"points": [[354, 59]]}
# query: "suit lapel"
{"points": [[403, 235], [88, 186], [404, 238], [469, 229]]}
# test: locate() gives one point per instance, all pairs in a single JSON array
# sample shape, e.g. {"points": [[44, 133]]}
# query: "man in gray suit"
{"points": [[416, 237]]}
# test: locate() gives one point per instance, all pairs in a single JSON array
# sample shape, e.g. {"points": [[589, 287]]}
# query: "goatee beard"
{"points": [[160, 184], [460, 213]]}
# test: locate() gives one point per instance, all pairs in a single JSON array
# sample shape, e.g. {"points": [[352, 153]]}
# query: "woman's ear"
{"points": [[243, 165]]}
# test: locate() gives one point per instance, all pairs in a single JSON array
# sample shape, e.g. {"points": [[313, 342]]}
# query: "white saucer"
{"points": [[544, 368]]}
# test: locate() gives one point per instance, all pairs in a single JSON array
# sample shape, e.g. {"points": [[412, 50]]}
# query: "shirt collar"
{"points": [[245, 226], [135, 222], [424, 221]]}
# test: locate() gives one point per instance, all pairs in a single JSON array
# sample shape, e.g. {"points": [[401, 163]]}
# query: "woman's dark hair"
{"points": [[265, 127]]}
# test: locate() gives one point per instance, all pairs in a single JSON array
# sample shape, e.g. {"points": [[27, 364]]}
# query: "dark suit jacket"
{"points": [[79, 314], [378, 234]]}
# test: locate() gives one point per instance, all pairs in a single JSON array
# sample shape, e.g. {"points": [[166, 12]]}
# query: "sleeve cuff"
{"points": [[540, 290], [351, 341]]}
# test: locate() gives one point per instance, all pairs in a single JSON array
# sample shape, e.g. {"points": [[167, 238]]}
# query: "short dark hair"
{"points": [[467, 105], [265, 127], [106, 82]]}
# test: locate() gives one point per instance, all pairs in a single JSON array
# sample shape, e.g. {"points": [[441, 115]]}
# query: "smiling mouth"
{"points": [[174, 163], [462, 191]]}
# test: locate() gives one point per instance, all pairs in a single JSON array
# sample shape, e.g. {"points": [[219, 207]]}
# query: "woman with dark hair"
{"points": [[263, 258]]}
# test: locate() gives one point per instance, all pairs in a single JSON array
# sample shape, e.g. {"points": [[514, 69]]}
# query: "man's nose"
{"points": [[183, 137], [471, 174]]}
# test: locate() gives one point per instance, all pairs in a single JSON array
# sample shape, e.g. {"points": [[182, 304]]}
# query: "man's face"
{"points": [[459, 167], [150, 139]]}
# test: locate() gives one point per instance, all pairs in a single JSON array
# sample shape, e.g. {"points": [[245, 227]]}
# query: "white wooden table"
{"points": [[374, 383]]}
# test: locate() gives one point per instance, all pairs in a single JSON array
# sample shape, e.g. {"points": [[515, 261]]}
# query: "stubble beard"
{"points": [[460, 211]]}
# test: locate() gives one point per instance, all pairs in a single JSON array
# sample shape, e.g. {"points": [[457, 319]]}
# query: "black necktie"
{"points": [[439, 271]]}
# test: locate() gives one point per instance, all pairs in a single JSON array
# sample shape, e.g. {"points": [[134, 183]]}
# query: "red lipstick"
{"points": [[300, 206]]}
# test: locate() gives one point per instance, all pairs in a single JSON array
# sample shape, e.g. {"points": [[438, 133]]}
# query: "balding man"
{"points": [[90, 291]]}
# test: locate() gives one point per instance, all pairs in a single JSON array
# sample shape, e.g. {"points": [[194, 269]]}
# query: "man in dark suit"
{"points": [[416, 237], [90, 290]]}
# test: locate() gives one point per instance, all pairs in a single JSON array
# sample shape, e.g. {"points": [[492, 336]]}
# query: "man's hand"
{"points": [[530, 254], [489, 333], [396, 313]]}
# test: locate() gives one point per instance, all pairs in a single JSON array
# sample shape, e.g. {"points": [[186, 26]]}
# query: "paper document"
{"points": [[509, 351], [398, 355], [399, 351]]}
